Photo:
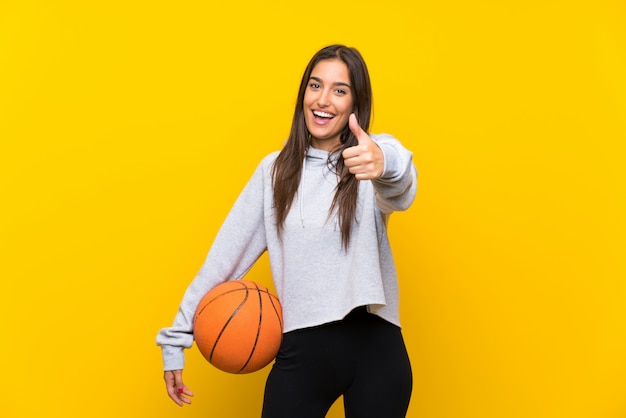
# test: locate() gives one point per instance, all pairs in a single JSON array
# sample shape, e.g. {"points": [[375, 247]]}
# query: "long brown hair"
{"points": [[287, 168]]}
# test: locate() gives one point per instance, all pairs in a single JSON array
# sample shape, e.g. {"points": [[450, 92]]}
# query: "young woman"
{"points": [[320, 207]]}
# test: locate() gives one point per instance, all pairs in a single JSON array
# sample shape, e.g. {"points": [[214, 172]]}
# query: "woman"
{"points": [[320, 208]]}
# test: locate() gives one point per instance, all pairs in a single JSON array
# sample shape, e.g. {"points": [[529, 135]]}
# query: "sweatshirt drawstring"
{"points": [[302, 191]]}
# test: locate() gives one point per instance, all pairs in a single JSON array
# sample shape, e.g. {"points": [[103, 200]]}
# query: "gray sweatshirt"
{"points": [[317, 281]]}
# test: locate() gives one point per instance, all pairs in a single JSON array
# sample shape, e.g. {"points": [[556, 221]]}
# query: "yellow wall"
{"points": [[127, 128]]}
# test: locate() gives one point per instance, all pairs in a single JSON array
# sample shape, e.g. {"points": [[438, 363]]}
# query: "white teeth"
{"points": [[323, 114]]}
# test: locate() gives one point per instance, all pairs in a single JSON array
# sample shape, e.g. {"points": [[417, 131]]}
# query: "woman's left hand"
{"points": [[365, 160]]}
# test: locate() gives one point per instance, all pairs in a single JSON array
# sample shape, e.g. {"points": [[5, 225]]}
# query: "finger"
{"points": [[349, 154], [178, 395], [182, 395], [185, 390], [174, 396], [356, 129], [172, 392], [366, 164], [182, 391], [364, 160]]}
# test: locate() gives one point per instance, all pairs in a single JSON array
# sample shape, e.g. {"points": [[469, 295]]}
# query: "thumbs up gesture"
{"points": [[365, 160]]}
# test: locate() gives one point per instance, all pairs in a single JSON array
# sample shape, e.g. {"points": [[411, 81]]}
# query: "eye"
{"points": [[340, 91], [314, 85]]}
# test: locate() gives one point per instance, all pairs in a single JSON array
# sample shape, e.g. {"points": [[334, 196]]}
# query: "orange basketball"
{"points": [[238, 326]]}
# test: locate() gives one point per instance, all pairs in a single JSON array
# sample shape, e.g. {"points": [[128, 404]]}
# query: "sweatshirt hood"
{"points": [[318, 156], [314, 158]]}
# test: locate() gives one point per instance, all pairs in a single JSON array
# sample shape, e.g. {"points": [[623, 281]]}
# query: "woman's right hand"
{"points": [[176, 389]]}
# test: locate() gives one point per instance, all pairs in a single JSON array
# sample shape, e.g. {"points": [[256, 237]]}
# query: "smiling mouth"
{"points": [[323, 115]]}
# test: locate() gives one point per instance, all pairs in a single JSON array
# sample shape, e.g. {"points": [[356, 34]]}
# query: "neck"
{"points": [[326, 144]]}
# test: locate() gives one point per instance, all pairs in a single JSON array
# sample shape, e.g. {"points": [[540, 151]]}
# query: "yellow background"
{"points": [[127, 129]]}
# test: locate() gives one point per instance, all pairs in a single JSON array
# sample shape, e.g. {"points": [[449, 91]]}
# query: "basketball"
{"points": [[238, 326]]}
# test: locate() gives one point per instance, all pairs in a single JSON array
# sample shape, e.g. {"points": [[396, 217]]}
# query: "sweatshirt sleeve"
{"points": [[395, 189], [239, 243]]}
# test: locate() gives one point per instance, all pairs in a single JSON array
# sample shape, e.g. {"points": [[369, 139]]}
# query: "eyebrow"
{"points": [[337, 83]]}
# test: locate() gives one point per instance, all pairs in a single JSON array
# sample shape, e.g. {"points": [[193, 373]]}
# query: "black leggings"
{"points": [[362, 357]]}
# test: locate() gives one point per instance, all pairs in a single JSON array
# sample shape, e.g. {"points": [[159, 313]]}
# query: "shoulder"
{"points": [[270, 158], [387, 141], [264, 167], [383, 138], [268, 161]]}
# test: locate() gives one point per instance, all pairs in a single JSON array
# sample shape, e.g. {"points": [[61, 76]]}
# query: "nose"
{"points": [[323, 98]]}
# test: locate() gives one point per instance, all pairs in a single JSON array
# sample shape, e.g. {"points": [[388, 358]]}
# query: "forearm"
{"points": [[397, 186]]}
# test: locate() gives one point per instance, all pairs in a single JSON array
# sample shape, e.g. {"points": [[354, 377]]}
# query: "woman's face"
{"points": [[327, 103]]}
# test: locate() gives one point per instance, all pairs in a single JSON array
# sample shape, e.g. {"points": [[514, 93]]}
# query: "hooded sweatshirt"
{"points": [[316, 279]]}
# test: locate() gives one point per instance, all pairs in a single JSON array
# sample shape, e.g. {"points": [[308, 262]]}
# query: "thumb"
{"points": [[356, 129]]}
